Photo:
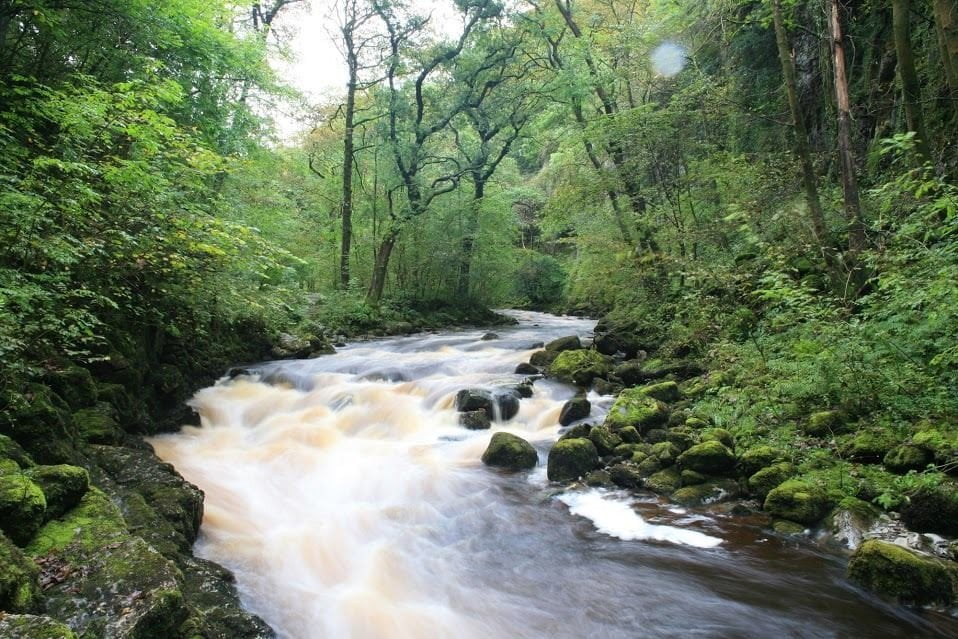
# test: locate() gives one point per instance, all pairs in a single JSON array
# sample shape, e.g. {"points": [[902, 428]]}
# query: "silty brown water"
{"points": [[351, 505]]}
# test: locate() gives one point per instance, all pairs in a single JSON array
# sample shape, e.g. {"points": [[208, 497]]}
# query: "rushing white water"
{"points": [[614, 515], [351, 505]]}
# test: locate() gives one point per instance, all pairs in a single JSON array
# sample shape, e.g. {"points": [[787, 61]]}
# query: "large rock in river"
{"points": [[572, 458], [799, 501], [580, 366], [508, 451], [574, 410], [897, 572]]}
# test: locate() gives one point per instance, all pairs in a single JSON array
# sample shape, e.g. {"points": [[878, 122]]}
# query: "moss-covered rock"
{"points": [[823, 423], [33, 627], [573, 410], [932, 509], [629, 435], [598, 479], [569, 343], [580, 367], [126, 588], [42, 426], [709, 457], [542, 359], [22, 507], [74, 384], [798, 501], [604, 439], [63, 486], [756, 458], [941, 443], [906, 457], [869, 446], [762, 482], [12, 451], [664, 482], [647, 466], [215, 611], [709, 492], [475, 420], [578, 431], [570, 459], [719, 435], [508, 451], [663, 391], [19, 589], [97, 424], [696, 423], [692, 478], [666, 452], [626, 475], [162, 489], [897, 572], [681, 437], [632, 408]]}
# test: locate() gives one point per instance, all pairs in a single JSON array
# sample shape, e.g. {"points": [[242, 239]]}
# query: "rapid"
{"points": [[350, 504]]}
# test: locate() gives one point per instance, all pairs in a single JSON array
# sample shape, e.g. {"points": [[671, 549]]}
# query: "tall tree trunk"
{"points": [[381, 267], [911, 89], [853, 206], [809, 180], [348, 159], [946, 23], [468, 244]]}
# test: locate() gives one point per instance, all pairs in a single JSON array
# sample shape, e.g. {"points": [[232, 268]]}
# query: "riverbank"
{"points": [[884, 493], [97, 531]]}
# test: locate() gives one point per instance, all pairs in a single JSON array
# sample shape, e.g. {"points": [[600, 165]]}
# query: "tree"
{"points": [[846, 156], [908, 75]]}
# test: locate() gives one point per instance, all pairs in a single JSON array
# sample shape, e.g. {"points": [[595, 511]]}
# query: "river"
{"points": [[351, 505]]}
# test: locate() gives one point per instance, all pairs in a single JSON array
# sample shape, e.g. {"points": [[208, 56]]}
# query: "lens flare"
{"points": [[668, 59]]}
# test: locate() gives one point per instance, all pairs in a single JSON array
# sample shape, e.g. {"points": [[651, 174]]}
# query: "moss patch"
{"points": [[580, 366], [22, 507], [19, 590], [510, 452], [633, 408], [798, 501]]}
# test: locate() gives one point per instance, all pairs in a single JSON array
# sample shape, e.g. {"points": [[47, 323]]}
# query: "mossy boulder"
{"points": [[570, 459], [719, 435], [43, 426], [696, 423], [580, 367], [632, 408], [710, 492], [19, 589], [710, 458], [63, 486], [932, 509], [568, 343], [681, 437], [598, 479], [148, 489], [475, 420], [799, 501], [97, 424], [666, 452], [575, 409], [824, 423], [604, 439], [664, 482], [626, 475], [663, 391], [692, 478], [648, 466], [762, 482], [215, 610], [900, 573], [758, 457], [907, 457], [12, 451], [127, 588], [577, 432], [941, 443], [629, 435], [869, 446], [510, 452], [542, 359], [22, 507], [74, 384], [33, 627]]}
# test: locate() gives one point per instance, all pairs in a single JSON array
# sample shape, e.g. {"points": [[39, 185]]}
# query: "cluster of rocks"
{"points": [[650, 441]]}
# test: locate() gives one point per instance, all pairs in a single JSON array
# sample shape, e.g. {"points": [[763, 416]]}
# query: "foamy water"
{"points": [[351, 504]]}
